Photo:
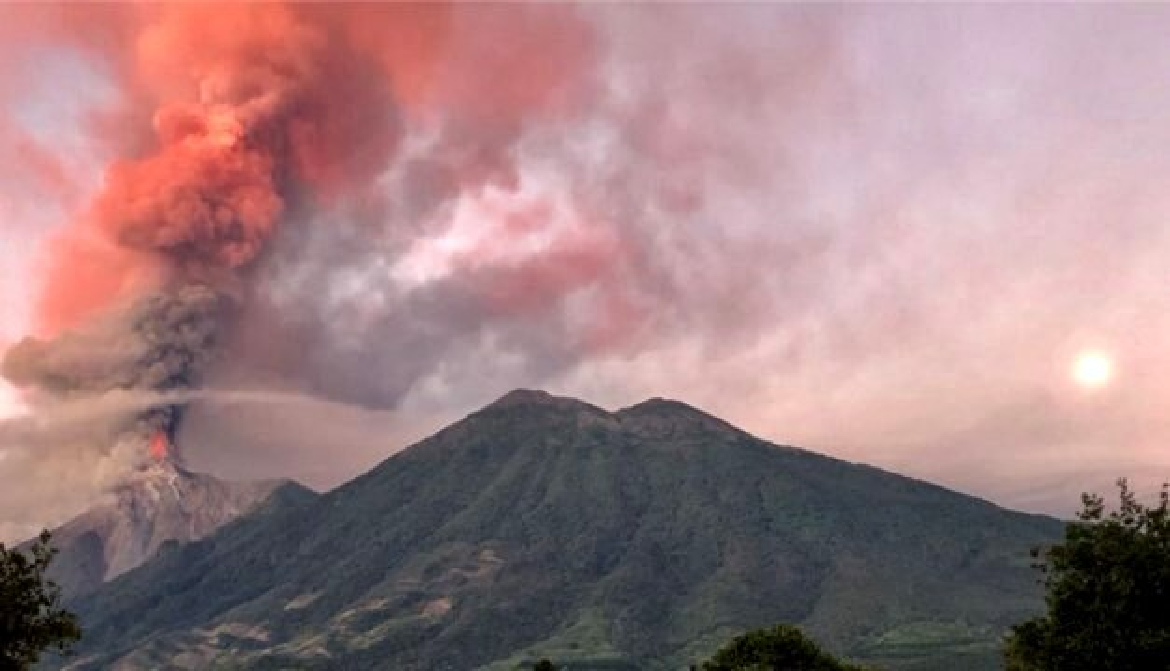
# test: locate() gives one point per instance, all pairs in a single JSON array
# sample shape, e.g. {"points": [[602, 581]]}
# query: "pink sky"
{"points": [[883, 233]]}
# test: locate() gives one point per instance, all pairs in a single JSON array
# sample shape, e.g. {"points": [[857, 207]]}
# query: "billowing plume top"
{"points": [[252, 115]]}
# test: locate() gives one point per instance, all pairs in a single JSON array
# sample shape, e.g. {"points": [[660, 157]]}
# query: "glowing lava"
{"points": [[159, 446]]}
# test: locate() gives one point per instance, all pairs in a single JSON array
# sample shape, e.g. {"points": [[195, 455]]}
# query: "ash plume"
{"points": [[244, 113]]}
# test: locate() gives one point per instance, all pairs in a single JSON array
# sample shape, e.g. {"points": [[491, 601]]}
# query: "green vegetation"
{"points": [[1108, 593], [547, 528], [781, 647], [31, 618]]}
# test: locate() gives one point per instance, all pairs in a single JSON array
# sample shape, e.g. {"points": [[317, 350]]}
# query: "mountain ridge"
{"points": [[545, 526]]}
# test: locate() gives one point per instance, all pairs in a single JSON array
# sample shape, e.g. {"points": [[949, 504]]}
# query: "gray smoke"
{"points": [[159, 343]]}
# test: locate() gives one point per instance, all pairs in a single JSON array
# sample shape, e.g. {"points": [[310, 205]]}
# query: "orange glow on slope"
{"points": [[159, 446]]}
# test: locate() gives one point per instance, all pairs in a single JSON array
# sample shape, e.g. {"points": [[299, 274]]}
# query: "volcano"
{"points": [[159, 505], [543, 526]]}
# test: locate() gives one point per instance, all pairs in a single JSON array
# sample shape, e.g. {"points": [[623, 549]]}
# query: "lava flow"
{"points": [[160, 446]]}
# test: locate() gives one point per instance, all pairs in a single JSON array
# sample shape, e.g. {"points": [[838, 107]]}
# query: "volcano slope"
{"points": [[546, 527], [163, 503]]}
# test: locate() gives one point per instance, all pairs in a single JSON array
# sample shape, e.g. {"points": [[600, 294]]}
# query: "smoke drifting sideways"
{"points": [[160, 343]]}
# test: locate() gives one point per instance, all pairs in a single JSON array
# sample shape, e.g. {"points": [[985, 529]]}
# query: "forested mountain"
{"points": [[546, 527]]}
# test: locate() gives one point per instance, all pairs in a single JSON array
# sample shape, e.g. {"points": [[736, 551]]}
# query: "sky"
{"points": [[931, 239]]}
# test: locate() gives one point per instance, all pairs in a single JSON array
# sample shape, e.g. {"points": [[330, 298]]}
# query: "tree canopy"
{"points": [[31, 617], [1108, 593], [781, 648]]}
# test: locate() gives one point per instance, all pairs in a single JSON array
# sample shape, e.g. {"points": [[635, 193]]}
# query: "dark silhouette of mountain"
{"points": [[546, 527], [161, 504]]}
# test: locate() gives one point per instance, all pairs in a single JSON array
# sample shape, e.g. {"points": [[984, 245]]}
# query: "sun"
{"points": [[1092, 370]]}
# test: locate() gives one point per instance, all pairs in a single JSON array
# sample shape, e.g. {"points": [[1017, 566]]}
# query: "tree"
{"points": [[31, 617], [781, 648], [544, 665], [1108, 593]]}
